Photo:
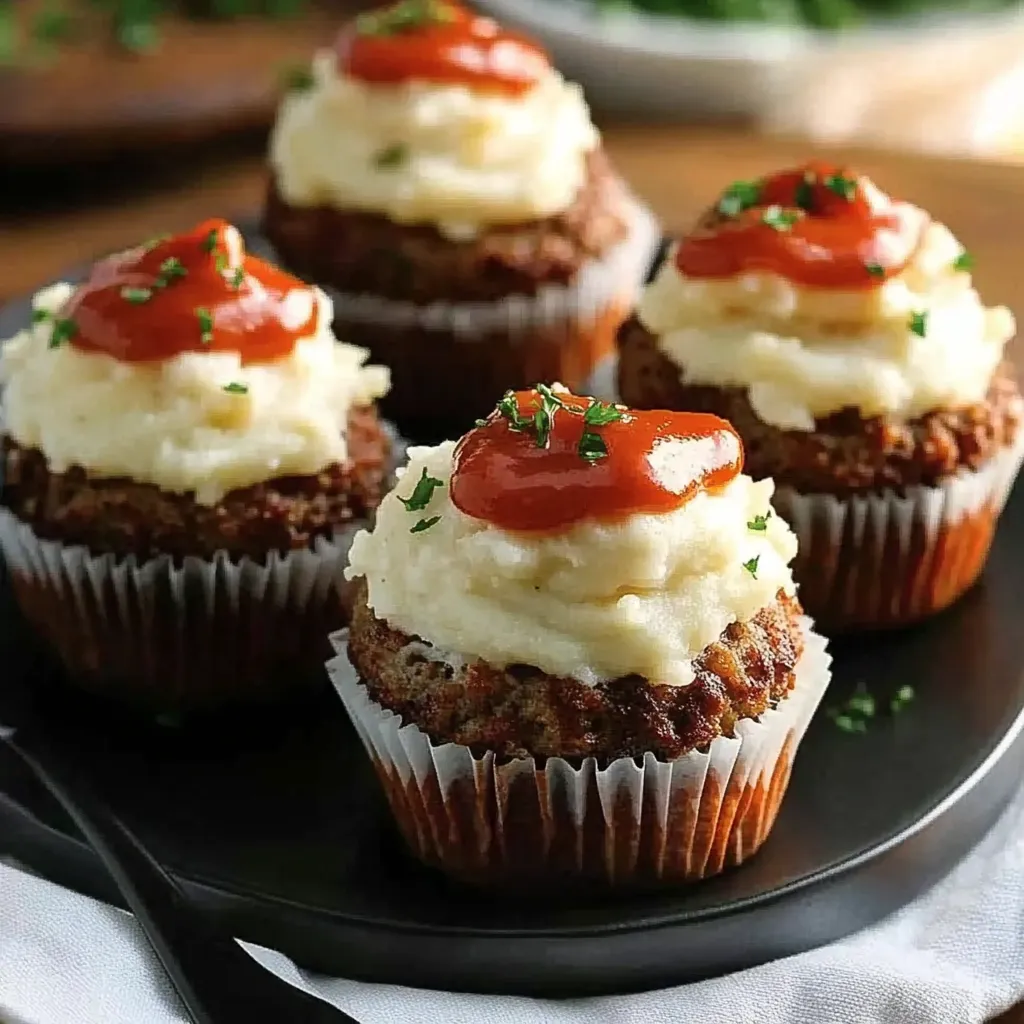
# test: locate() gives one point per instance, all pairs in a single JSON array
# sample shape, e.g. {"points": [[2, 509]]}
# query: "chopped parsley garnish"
{"points": [[422, 493], [845, 188], [592, 446], [779, 219], [210, 241], [64, 328], [297, 78], [861, 706], [234, 388], [237, 277], [425, 524], [509, 408], [205, 318], [875, 269], [403, 17], [918, 324], [220, 262], [599, 414], [53, 24], [900, 699], [804, 194], [965, 261], [391, 156], [760, 523], [544, 417], [751, 566], [170, 270], [136, 296], [739, 196], [40, 316]]}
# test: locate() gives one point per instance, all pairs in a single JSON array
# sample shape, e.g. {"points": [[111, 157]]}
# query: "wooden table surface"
{"points": [[65, 217]]}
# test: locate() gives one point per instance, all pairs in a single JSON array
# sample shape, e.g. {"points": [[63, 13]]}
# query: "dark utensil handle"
{"points": [[218, 982]]}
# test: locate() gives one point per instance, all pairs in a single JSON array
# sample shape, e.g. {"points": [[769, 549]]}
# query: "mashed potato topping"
{"points": [[922, 340], [202, 422], [594, 602], [442, 154]]}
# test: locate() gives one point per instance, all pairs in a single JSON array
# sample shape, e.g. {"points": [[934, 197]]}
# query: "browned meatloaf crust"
{"points": [[368, 253], [124, 517], [522, 711], [846, 453]]}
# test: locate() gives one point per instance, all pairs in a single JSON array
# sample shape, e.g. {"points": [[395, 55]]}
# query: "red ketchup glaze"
{"points": [[845, 232], [439, 41], [656, 461], [196, 292]]}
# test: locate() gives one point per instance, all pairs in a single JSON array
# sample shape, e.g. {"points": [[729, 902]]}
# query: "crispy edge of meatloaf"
{"points": [[366, 253], [521, 711], [120, 516], [846, 453]]}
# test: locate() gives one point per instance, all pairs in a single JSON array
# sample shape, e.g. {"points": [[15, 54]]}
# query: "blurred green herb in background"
{"points": [[30, 32], [827, 14]]}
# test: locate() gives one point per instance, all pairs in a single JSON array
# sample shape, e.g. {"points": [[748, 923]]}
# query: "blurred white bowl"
{"points": [[915, 82]]}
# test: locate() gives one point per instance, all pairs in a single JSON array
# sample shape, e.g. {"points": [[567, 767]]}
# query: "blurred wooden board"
{"points": [[204, 79]]}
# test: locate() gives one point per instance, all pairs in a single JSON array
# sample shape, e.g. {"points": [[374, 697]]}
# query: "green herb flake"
{"points": [[779, 219], [845, 188], [170, 270], [918, 323], [210, 241], [804, 194], [40, 316], [297, 78], [234, 388], [205, 318], [544, 417], [220, 262], [422, 492], [759, 524], [64, 328], [592, 446], [137, 35], [751, 565], [964, 262], [739, 196], [405, 16], [847, 723], [600, 414], [53, 24], [391, 156], [236, 278], [900, 699], [509, 408], [875, 269], [136, 296], [425, 524]]}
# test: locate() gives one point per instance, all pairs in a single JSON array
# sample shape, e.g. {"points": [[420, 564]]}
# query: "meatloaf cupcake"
{"points": [[448, 188], [577, 652], [838, 330], [186, 453]]}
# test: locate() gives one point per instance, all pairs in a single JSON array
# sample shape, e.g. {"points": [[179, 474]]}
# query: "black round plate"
{"points": [[278, 822]]}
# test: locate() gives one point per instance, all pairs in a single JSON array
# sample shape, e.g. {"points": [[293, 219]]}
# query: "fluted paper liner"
{"points": [[888, 559], [179, 636], [489, 821], [457, 359]]}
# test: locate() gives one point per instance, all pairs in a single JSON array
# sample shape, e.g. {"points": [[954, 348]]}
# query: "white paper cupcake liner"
{"points": [[487, 820], [887, 559], [181, 636]]}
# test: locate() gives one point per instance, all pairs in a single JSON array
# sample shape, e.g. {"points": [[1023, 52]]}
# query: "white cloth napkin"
{"points": [[955, 956]]}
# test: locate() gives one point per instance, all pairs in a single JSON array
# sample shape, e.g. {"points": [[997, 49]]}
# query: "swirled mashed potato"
{"points": [[921, 341], [594, 602]]}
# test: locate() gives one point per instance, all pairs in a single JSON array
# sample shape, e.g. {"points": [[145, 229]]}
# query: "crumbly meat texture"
{"points": [[120, 516], [366, 253], [845, 453], [521, 711]]}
